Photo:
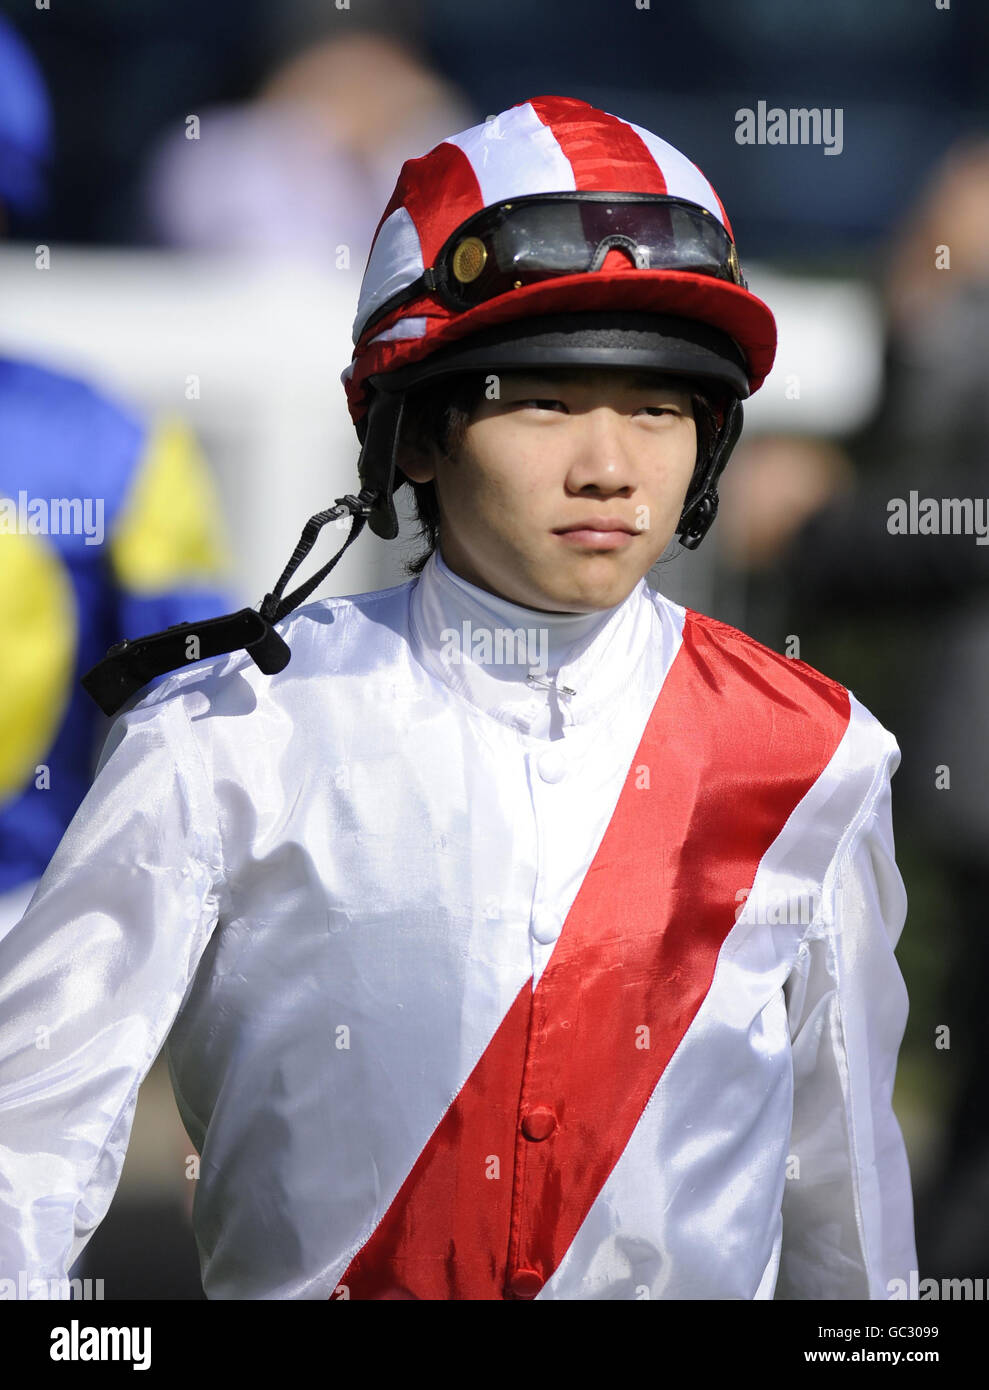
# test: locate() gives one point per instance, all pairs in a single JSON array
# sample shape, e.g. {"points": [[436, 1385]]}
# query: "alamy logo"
{"points": [[64, 1288], [54, 516], [75, 1343], [777, 906], [798, 125], [500, 646], [939, 516], [924, 1289]]}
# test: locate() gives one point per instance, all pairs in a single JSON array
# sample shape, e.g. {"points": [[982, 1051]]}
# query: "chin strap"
{"points": [[699, 513], [702, 514], [132, 664], [273, 606]]}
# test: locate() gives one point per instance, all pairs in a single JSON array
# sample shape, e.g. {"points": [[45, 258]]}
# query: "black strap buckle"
{"points": [[130, 665]]}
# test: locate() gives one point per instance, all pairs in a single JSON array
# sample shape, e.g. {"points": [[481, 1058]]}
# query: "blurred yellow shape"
{"points": [[169, 534], [38, 634]]}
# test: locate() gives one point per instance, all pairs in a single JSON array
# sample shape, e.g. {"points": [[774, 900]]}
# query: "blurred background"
{"points": [[187, 198]]}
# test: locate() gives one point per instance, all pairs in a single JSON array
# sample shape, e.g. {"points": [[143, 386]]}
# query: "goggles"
{"points": [[542, 235]]}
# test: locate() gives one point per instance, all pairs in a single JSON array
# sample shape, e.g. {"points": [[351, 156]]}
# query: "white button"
{"points": [[551, 766], [545, 929]]}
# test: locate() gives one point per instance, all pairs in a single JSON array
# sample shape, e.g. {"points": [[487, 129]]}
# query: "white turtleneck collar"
{"points": [[486, 648]]}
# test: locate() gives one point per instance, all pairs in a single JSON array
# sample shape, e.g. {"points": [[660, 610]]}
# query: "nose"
{"points": [[601, 460]]}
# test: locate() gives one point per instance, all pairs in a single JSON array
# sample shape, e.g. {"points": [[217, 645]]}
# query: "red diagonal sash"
{"points": [[737, 737]]}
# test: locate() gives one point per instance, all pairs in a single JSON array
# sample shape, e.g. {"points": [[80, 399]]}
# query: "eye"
{"points": [[541, 403], [662, 409]]}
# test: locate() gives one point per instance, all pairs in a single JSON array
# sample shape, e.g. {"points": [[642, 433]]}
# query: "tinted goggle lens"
{"points": [[521, 242]]}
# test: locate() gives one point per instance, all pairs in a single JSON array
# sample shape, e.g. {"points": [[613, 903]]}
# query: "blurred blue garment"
{"points": [[109, 528], [25, 125]]}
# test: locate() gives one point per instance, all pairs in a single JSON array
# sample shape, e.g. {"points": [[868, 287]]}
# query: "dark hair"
{"points": [[440, 412]]}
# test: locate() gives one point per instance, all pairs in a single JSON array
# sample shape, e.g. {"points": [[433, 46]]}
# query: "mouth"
{"points": [[599, 533]]}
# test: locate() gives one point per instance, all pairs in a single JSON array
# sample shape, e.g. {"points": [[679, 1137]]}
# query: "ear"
{"points": [[414, 466], [417, 458]]}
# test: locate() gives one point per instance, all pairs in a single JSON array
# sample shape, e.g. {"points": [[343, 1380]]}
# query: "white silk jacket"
{"points": [[474, 986]]}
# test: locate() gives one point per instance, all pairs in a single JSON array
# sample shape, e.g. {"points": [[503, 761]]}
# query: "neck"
{"points": [[559, 632]]}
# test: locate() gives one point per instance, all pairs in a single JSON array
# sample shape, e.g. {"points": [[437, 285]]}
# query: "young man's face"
{"points": [[559, 450]]}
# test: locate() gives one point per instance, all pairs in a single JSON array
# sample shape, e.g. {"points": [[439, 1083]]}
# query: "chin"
{"points": [[604, 586], [590, 598], [576, 588]]}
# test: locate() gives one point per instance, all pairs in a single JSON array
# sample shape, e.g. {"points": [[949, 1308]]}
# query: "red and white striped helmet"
{"points": [[406, 329]]}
